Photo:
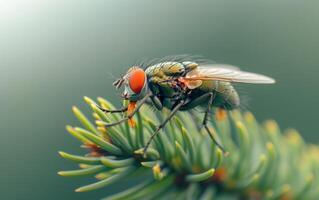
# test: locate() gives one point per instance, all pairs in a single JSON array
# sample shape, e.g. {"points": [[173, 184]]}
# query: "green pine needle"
{"points": [[262, 163]]}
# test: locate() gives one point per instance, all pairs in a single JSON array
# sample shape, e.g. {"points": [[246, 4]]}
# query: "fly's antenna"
{"points": [[118, 83]]}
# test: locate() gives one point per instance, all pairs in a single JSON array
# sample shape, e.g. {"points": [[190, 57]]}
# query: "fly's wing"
{"points": [[224, 66], [220, 73]]}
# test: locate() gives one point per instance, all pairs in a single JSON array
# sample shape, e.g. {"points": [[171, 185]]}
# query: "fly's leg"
{"points": [[172, 113], [209, 107], [200, 100], [121, 110], [130, 115], [157, 102]]}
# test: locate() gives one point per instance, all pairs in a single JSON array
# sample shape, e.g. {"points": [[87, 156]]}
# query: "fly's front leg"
{"points": [[121, 110], [130, 115], [172, 113]]}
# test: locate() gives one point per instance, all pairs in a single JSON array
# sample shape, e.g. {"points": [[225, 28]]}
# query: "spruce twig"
{"points": [[263, 163]]}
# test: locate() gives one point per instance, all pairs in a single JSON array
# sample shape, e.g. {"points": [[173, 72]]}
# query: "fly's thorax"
{"points": [[170, 68], [165, 69], [160, 86], [160, 78]]}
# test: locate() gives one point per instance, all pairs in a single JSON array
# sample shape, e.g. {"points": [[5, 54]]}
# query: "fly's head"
{"points": [[135, 84]]}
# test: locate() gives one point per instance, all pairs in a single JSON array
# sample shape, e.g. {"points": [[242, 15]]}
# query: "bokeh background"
{"points": [[52, 53]]}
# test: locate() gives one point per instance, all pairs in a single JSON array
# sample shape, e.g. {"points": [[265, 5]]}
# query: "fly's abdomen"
{"points": [[226, 95]]}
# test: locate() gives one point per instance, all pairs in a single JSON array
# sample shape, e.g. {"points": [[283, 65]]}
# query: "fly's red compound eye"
{"points": [[136, 80]]}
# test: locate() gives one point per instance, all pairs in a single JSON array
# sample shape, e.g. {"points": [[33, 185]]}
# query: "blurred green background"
{"points": [[52, 53]]}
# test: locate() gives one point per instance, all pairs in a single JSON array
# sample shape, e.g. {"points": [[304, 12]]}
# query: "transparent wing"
{"points": [[218, 72], [224, 66]]}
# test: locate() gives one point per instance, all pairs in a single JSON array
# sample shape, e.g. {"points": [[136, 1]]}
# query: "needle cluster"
{"points": [[184, 163]]}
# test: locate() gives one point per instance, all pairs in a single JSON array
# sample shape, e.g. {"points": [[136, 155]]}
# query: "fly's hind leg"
{"points": [[200, 100], [209, 107]]}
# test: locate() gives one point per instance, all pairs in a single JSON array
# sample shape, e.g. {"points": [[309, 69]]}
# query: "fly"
{"points": [[180, 86]]}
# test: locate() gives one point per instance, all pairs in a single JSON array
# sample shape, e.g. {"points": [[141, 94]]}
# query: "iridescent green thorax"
{"points": [[170, 68], [159, 75]]}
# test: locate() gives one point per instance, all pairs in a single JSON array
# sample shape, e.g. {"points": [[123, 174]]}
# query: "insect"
{"points": [[180, 85]]}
